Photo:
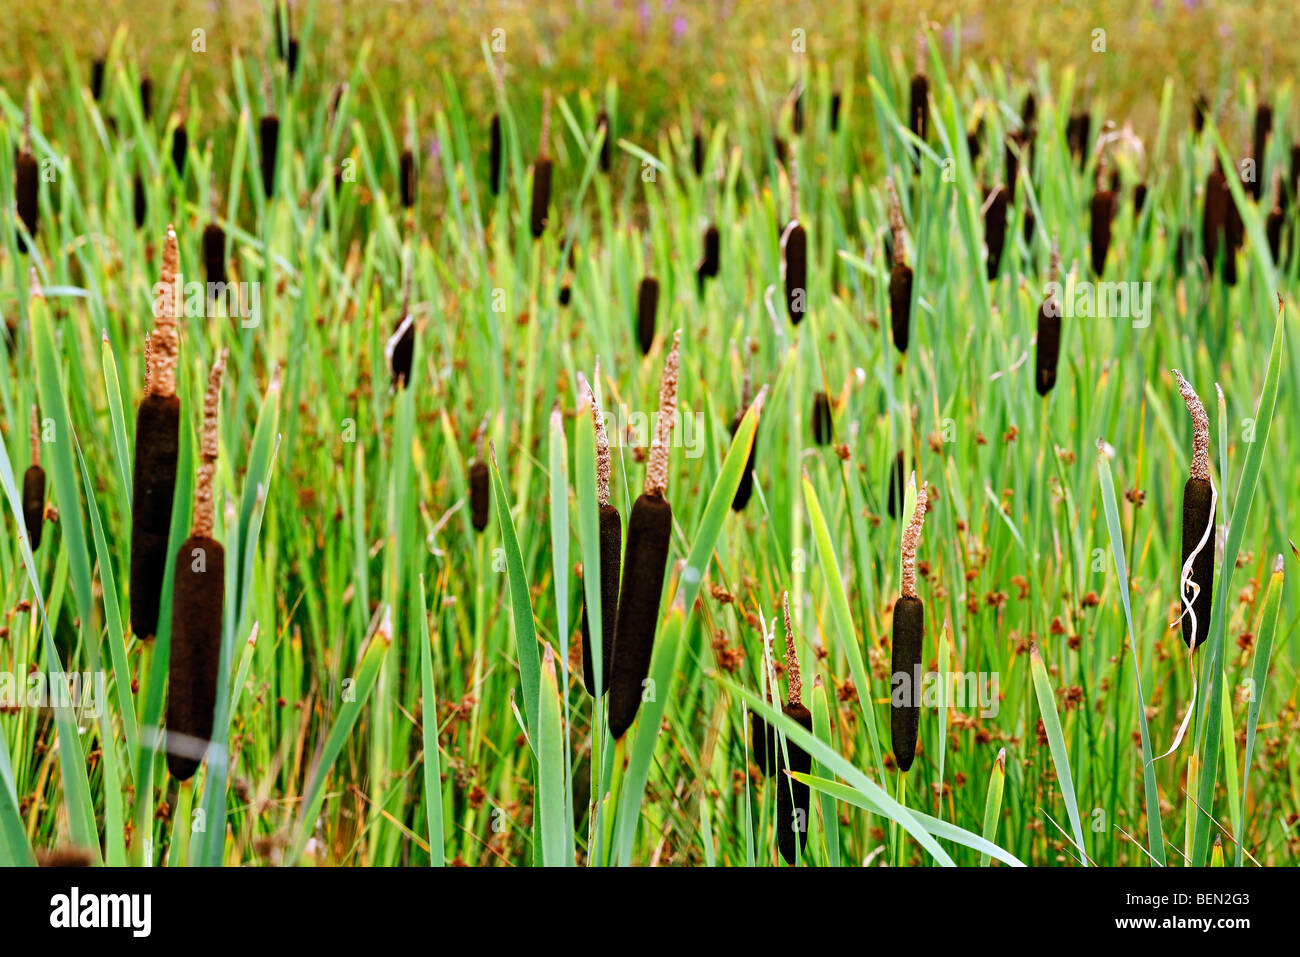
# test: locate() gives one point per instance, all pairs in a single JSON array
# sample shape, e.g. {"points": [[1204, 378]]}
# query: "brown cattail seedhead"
{"points": [[26, 193], [494, 155], [1263, 127], [645, 559], [1101, 210], [647, 304], [792, 795], [146, 98], [478, 495], [900, 277], [918, 104], [907, 644], [745, 489], [34, 488], [97, 78], [835, 111], [198, 598], [697, 152], [602, 123], [180, 148], [1198, 529], [269, 141], [821, 419], [214, 253], [1047, 352], [542, 169], [1200, 108], [139, 201], [995, 228], [157, 438], [794, 252], [611, 554], [711, 263], [407, 164], [611, 547]]}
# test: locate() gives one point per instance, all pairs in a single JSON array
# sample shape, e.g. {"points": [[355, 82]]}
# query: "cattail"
{"points": [[1273, 224], [157, 435], [1196, 575], [796, 110], [908, 638], [710, 264], [835, 111], [407, 164], [34, 488], [602, 123], [1048, 349], [146, 98], [995, 228], [821, 418], [897, 477], [1216, 228], [697, 151], [647, 303], [180, 147], [645, 559], [1028, 227], [494, 155], [401, 346], [900, 276], [781, 149], [1101, 209], [214, 252], [792, 795], [97, 78], [542, 172], [973, 140], [1200, 107], [68, 856], [919, 92], [794, 252], [198, 596], [1079, 133], [27, 184], [1139, 198], [479, 496], [566, 289], [1263, 126], [611, 547], [746, 487], [269, 139], [1029, 111], [139, 201]]}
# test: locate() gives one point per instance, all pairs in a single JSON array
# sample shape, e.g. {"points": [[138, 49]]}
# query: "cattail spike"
{"points": [[36, 436], [164, 345], [1200, 468], [203, 509], [1054, 265], [543, 140], [602, 438], [912, 538], [656, 475], [793, 681], [896, 222]]}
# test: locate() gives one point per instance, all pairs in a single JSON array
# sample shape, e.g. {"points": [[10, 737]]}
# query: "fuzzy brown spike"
{"points": [[544, 138], [602, 441], [164, 343], [36, 436], [203, 510], [1054, 264], [148, 361], [656, 473], [1200, 468], [912, 538], [896, 222], [793, 681]]}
